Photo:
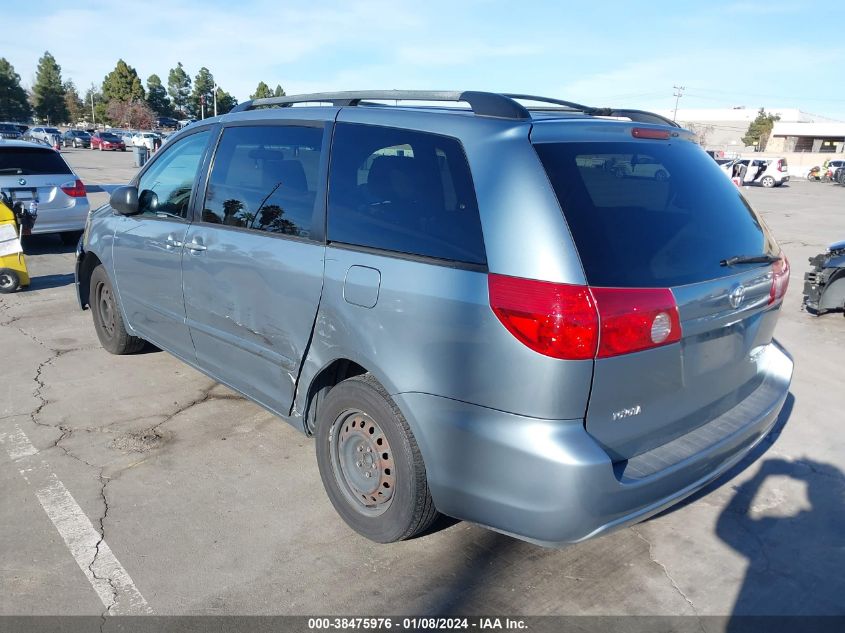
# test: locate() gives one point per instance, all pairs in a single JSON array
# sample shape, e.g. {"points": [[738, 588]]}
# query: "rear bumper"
{"points": [[549, 482], [63, 219]]}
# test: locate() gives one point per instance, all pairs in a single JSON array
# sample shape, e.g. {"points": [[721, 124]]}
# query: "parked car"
{"points": [[146, 139], [37, 173], [107, 140], [768, 172], [9, 131], [183, 123], [167, 122], [76, 138], [48, 134], [640, 166], [468, 312]]}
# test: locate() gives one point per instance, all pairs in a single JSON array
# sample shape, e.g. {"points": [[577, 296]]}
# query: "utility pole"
{"points": [[215, 99], [93, 118], [678, 94]]}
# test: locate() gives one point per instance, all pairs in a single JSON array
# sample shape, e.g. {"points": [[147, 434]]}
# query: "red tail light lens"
{"points": [[579, 322], [647, 132], [557, 320], [74, 188], [781, 165], [634, 319], [780, 279]]}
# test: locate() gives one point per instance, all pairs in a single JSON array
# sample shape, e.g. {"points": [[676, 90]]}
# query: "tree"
{"points": [[100, 106], [14, 105], [760, 129], [48, 93], [179, 87], [157, 97], [131, 114], [74, 105], [123, 84], [279, 91], [225, 101], [201, 99], [262, 91]]}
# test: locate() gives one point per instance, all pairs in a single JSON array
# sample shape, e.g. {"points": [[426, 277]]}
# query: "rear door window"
{"points": [[403, 191], [651, 214], [265, 178], [31, 161]]}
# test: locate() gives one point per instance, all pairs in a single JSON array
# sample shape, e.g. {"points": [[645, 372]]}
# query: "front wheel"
{"points": [[108, 321], [370, 464], [9, 281], [768, 182]]}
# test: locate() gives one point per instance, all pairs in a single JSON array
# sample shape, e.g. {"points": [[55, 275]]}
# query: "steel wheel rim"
{"points": [[105, 308], [362, 461]]}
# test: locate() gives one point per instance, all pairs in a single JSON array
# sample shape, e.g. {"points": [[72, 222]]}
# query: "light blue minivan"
{"points": [[465, 300]]}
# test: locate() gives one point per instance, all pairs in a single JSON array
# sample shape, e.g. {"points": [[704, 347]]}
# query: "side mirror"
{"points": [[124, 200]]}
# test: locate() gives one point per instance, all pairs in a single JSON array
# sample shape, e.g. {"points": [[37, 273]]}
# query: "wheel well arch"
{"points": [[326, 379], [89, 262]]}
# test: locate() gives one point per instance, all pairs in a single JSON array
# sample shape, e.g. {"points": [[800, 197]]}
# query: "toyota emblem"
{"points": [[736, 297]]}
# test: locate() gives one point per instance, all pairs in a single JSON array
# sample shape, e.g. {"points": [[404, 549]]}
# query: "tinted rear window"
{"points": [[651, 214], [31, 161]]}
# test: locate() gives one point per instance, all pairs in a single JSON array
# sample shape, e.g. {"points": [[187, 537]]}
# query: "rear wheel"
{"points": [[108, 321], [767, 181], [370, 463], [9, 281]]}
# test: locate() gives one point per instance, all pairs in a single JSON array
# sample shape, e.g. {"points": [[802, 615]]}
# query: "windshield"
{"points": [[109, 137], [651, 214]]}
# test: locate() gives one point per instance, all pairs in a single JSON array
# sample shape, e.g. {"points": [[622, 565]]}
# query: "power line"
{"points": [[678, 94]]}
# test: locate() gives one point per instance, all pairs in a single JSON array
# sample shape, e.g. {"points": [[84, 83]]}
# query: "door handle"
{"points": [[195, 246], [172, 243]]}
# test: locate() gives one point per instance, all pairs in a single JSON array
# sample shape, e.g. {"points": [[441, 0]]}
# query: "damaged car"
{"points": [[824, 285]]}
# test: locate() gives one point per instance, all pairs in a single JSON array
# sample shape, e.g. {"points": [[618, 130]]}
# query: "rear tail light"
{"points": [[780, 279], [635, 319], [74, 188], [557, 320], [781, 165], [578, 322]]}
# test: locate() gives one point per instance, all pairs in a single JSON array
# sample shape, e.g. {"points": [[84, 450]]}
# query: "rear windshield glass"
{"points": [[31, 161], [648, 214]]}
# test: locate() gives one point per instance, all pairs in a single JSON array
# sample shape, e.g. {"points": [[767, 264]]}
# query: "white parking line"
{"points": [[107, 576]]}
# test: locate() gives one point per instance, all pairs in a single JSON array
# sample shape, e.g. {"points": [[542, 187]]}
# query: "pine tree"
{"points": [[279, 91], [14, 105], [123, 84], [75, 107], [203, 94], [179, 87], [262, 91], [48, 93], [157, 96], [760, 129], [225, 101]]}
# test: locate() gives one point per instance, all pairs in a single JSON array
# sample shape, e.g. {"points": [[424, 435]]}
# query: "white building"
{"points": [[723, 128]]}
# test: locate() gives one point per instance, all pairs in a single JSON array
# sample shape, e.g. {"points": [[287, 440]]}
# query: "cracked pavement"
{"points": [[213, 506]]}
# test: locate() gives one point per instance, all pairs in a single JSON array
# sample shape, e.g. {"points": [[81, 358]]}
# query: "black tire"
{"points": [[70, 238], [108, 320], [409, 510], [9, 281]]}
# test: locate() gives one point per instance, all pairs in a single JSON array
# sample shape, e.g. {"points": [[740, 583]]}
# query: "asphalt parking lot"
{"points": [[192, 500]]}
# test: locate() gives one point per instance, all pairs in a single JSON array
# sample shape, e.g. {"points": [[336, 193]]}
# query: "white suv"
{"points": [[768, 172]]}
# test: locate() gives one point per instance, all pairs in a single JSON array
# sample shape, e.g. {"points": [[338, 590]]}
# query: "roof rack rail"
{"points": [[482, 103], [492, 104]]}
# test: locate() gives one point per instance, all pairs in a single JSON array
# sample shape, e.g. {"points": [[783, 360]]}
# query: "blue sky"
{"points": [[765, 53]]}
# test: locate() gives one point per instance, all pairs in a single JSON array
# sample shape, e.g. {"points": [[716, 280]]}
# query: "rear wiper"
{"points": [[750, 259], [11, 170]]}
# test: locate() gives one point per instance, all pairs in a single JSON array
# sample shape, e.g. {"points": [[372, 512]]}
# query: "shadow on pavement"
{"points": [[43, 282], [47, 244], [795, 562]]}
